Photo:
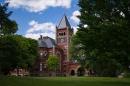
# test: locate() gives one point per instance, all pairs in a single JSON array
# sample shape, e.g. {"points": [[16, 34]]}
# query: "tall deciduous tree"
{"points": [[7, 26], [106, 39], [16, 51]]}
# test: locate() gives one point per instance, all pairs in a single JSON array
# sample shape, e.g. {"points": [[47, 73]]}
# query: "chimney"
{"points": [[40, 37]]}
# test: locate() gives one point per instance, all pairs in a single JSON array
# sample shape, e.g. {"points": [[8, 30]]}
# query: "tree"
{"points": [[76, 51], [7, 26], [53, 63], [16, 51], [106, 37]]}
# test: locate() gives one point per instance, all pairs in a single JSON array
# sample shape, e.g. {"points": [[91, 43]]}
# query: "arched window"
{"points": [[58, 54], [43, 53]]}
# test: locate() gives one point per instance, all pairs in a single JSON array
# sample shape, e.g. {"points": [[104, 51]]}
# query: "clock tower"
{"points": [[64, 33]]}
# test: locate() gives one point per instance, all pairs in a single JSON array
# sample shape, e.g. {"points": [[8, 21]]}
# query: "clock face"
{"points": [[62, 40]]}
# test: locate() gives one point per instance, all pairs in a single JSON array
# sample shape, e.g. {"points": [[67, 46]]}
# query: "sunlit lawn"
{"points": [[63, 81]]}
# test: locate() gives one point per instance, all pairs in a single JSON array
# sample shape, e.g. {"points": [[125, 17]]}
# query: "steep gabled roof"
{"points": [[41, 43], [64, 23], [46, 42], [49, 42]]}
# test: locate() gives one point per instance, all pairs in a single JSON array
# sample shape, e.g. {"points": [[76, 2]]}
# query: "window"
{"points": [[61, 33], [58, 54], [64, 33], [40, 67], [43, 53]]}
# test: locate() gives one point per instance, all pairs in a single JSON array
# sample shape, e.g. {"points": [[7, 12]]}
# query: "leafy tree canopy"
{"points": [[16, 51], [105, 40], [7, 26], [53, 62]]}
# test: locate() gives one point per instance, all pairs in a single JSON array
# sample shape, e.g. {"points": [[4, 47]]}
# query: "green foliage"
{"points": [[127, 75], [16, 51], [106, 39], [53, 62], [76, 51], [7, 26]]}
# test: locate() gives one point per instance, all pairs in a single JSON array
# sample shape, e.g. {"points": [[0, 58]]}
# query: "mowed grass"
{"points": [[63, 81]]}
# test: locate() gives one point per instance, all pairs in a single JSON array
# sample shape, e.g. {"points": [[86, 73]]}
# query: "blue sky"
{"points": [[39, 17]]}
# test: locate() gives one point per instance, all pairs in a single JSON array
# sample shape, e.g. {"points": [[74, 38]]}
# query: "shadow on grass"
{"points": [[63, 81]]}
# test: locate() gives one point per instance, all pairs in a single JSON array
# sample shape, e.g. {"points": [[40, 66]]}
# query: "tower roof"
{"points": [[64, 23]]}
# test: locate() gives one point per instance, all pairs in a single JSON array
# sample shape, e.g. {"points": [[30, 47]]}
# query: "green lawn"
{"points": [[63, 81]]}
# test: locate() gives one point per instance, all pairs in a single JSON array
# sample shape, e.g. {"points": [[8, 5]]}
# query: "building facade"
{"points": [[59, 47]]}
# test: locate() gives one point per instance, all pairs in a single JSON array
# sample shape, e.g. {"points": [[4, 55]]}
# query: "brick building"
{"points": [[59, 47]]}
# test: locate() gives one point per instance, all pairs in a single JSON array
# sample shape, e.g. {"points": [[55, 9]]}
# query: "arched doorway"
{"points": [[72, 73], [81, 71]]}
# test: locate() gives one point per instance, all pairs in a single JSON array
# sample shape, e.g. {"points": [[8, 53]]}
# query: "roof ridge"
{"points": [[63, 23]]}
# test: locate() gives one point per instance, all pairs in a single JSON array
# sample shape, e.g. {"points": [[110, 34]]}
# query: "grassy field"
{"points": [[63, 81]]}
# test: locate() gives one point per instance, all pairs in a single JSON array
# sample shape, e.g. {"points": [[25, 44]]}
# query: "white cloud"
{"points": [[33, 35], [75, 29], [36, 29], [74, 17], [40, 27], [38, 5], [37, 35], [75, 20]]}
